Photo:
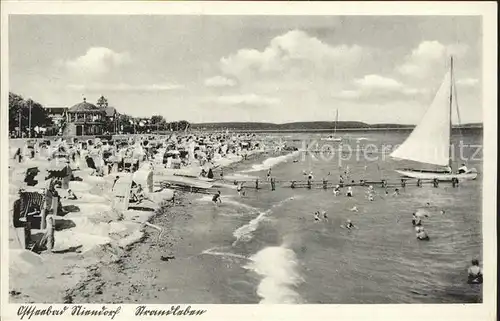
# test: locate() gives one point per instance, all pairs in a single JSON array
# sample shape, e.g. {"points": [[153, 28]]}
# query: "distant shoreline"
{"points": [[325, 130], [270, 130]]}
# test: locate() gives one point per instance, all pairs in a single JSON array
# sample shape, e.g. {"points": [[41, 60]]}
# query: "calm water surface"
{"points": [[269, 249]]}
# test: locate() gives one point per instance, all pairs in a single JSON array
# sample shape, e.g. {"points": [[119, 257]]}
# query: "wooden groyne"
{"points": [[273, 184]]}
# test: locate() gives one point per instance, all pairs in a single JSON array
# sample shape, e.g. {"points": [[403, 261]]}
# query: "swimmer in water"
{"points": [[416, 221], [316, 216], [354, 209], [336, 190], [239, 188], [269, 174], [216, 198], [370, 193], [442, 212], [475, 273], [421, 234], [348, 225], [349, 192], [324, 215], [310, 177], [396, 192]]}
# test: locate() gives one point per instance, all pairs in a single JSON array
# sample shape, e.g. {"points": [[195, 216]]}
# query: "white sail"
{"points": [[430, 141]]}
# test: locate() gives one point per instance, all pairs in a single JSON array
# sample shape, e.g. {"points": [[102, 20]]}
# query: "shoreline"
{"points": [[138, 267], [114, 274], [121, 279]]}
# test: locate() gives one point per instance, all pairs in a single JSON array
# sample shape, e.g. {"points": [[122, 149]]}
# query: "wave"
{"points": [[224, 254], [278, 266], [241, 205], [270, 162], [244, 233], [228, 200], [205, 198]]}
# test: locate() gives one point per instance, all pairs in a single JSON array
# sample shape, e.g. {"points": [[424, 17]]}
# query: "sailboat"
{"points": [[332, 138], [430, 141]]}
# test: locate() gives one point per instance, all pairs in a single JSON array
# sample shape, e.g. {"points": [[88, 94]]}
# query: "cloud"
{"points": [[378, 82], [123, 87], [428, 57], [245, 99], [96, 62], [347, 94], [376, 86], [295, 53], [219, 81], [469, 82]]}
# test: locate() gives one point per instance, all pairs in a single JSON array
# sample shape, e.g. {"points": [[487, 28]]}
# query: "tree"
{"points": [[157, 119], [158, 122], [183, 125], [17, 105], [124, 124], [102, 102], [174, 126]]}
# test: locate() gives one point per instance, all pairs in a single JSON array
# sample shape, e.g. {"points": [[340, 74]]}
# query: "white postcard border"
{"points": [[488, 11]]}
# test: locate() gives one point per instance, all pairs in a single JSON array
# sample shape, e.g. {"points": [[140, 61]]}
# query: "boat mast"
{"points": [[451, 108], [336, 120]]}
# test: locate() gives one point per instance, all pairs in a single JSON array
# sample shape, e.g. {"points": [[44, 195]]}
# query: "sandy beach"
{"points": [[101, 255]]}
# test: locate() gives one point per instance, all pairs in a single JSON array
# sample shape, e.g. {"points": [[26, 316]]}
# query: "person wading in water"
{"points": [[475, 273], [216, 199]]}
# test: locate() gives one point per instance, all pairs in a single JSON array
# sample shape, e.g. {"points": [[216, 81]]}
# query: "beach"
{"points": [[265, 247]]}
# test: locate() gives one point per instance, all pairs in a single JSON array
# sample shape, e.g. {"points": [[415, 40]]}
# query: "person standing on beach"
{"points": [[48, 238], [210, 173], [20, 222]]}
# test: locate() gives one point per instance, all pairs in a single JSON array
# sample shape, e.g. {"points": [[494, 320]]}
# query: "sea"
{"points": [[270, 249]]}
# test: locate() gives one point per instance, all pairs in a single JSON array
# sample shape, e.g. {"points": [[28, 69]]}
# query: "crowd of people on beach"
{"points": [[60, 160]]}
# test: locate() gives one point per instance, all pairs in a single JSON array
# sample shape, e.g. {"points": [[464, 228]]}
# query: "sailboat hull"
{"points": [[441, 176], [332, 139]]}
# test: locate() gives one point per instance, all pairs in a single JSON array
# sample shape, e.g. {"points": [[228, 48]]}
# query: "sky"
{"points": [[375, 69]]}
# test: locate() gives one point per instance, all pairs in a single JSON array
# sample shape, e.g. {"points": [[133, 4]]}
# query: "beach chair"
{"points": [[121, 193]]}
